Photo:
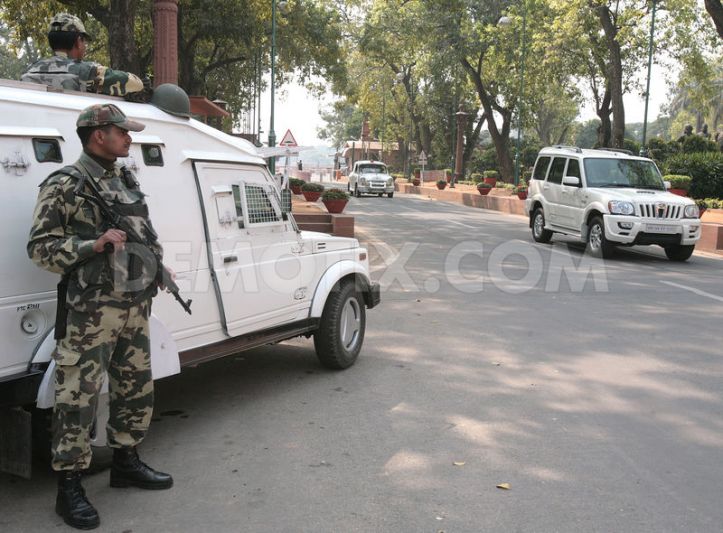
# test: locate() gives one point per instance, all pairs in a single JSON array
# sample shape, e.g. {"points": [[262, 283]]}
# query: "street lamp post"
{"points": [[506, 21], [643, 148], [272, 133]]}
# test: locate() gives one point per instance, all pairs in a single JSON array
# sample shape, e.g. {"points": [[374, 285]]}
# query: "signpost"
{"points": [[422, 161], [288, 139]]}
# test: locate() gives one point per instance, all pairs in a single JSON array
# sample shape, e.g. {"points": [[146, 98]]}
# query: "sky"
{"points": [[298, 110]]}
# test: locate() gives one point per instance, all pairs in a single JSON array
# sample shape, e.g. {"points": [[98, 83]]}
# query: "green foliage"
{"points": [[442, 182], [491, 174], [335, 194], [312, 187], [678, 181], [483, 185], [695, 143], [296, 182], [706, 169], [476, 177], [632, 145], [660, 151], [709, 203], [484, 159]]}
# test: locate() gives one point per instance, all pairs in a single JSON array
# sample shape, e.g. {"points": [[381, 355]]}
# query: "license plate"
{"points": [[660, 228]]}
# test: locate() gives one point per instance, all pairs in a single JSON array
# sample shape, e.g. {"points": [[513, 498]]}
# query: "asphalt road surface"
{"points": [[593, 389]]}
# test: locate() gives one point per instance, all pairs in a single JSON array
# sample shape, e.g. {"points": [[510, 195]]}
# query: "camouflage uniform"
{"points": [[107, 325], [63, 72]]}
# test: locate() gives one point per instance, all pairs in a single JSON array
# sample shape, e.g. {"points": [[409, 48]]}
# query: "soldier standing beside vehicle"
{"points": [[67, 70], [107, 322]]}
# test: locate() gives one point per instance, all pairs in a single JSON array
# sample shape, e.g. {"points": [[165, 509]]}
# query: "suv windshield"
{"points": [[372, 169], [606, 172]]}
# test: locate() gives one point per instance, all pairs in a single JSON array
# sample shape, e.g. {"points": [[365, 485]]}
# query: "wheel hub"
{"points": [[350, 324]]}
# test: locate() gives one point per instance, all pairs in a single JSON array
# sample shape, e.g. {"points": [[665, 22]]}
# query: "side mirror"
{"points": [[571, 181], [667, 185], [286, 201]]}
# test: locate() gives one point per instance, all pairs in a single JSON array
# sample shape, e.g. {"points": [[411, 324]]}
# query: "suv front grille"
{"points": [[660, 210]]}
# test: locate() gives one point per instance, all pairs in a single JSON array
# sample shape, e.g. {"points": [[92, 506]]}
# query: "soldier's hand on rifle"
{"points": [[114, 237], [171, 274]]}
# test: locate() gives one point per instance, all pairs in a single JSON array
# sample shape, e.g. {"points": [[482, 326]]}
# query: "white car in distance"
{"points": [[370, 177], [608, 198]]}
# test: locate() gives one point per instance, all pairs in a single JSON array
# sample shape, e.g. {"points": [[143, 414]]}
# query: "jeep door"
{"points": [[252, 250], [572, 199], [552, 191]]}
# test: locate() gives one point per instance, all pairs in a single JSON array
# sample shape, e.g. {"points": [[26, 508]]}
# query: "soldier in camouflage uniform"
{"points": [[67, 70], [110, 284]]}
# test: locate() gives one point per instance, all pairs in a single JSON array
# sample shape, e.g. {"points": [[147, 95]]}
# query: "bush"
{"points": [[312, 187], [441, 182], [335, 194], [296, 182], [476, 177], [521, 186], [633, 146], [678, 181], [706, 169], [483, 185], [491, 174], [695, 143], [398, 176]]}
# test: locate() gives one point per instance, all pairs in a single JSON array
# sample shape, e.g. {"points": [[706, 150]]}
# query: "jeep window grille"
{"points": [[152, 155], [239, 205], [260, 208], [47, 151]]}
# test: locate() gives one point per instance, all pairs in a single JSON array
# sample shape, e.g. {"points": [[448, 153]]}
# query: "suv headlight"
{"points": [[692, 211], [617, 207], [362, 181], [389, 182]]}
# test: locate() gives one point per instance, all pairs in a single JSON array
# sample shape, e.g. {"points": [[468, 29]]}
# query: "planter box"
{"points": [[679, 192], [311, 196], [484, 191], [441, 186], [335, 206], [713, 216], [296, 189], [522, 195]]}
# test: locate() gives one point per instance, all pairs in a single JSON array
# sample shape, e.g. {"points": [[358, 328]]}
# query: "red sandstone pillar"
{"points": [[165, 41]]}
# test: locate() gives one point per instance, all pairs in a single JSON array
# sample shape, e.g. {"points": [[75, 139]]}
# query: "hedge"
{"points": [[705, 168]]}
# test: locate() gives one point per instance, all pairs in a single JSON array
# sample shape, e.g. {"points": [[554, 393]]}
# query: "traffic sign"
{"points": [[288, 139], [422, 158]]}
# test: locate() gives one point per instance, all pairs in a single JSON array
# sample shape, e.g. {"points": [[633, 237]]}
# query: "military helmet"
{"points": [[172, 99], [68, 22], [104, 115]]}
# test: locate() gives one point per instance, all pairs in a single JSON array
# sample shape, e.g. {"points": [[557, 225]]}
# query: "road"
{"points": [[592, 388]]}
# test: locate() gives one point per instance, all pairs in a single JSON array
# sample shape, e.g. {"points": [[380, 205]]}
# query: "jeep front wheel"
{"points": [[339, 338], [597, 244], [679, 252]]}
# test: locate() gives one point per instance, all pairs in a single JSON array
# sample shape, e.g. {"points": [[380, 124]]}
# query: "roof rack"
{"points": [[568, 147], [620, 150]]}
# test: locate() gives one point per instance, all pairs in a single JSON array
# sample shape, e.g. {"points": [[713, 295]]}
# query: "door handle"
{"points": [[230, 259]]}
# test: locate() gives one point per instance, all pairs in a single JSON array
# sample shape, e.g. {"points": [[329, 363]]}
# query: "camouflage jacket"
{"points": [[65, 227], [62, 72]]}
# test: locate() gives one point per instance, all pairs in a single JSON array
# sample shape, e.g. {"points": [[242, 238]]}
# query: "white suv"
{"points": [[607, 198]]}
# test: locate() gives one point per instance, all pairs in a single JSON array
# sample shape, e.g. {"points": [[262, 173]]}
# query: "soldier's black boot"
{"points": [[72, 504], [129, 471]]}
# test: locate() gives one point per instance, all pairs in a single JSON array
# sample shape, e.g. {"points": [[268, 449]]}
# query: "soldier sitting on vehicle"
{"points": [[67, 70]]}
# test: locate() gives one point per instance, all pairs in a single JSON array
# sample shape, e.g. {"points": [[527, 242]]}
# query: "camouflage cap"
{"points": [[104, 114], [68, 22]]}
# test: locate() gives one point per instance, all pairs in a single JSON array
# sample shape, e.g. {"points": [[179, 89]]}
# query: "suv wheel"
{"points": [[679, 252], [539, 233], [341, 332], [390, 195], [356, 191], [597, 243]]}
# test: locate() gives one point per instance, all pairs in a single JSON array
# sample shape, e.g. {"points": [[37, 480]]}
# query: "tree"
{"points": [[715, 10]]}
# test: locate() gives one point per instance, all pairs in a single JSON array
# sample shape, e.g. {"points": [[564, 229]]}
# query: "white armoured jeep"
{"points": [[371, 177], [227, 232]]}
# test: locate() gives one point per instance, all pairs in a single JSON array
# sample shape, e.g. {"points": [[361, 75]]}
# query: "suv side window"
{"points": [[541, 168], [573, 169], [556, 170]]}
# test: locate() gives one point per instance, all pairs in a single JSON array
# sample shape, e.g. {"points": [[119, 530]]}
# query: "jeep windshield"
{"points": [[373, 169], [624, 173]]}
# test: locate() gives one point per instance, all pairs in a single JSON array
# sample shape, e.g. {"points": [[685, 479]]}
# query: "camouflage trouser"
{"points": [[112, 340]]}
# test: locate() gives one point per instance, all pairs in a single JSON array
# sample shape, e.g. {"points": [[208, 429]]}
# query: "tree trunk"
{"points": [[500, 138], [604, 131], [614, 75], [119, 19], [715, 10]]}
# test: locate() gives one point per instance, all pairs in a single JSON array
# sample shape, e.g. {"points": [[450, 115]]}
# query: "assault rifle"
{"points": [[114, 220]]}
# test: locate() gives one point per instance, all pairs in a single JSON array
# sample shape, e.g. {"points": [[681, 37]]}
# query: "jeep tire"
{"points": [[679, 252], [341, 331], [390, 195], [539, 233], [597, 243]]}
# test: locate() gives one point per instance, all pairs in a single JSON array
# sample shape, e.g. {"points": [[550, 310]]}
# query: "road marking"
{"points": [[693, 290], [461, 224]]}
